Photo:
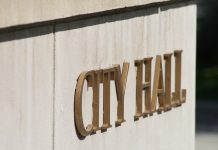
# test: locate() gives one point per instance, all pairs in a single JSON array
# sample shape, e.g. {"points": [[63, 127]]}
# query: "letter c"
{"points": [[78, 104]]}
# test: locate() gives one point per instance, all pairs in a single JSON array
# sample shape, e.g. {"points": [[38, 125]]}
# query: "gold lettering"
{"points": [[162, 93], [168, 98], [139, 73], [106, 97], [94, 78], [97, 81], [78, 103], [147, 86], [158, 86], [140, 87], [120, 82], [179, 96]]}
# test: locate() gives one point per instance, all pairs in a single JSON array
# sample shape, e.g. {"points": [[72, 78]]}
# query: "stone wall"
{"points": [[40, 67]]}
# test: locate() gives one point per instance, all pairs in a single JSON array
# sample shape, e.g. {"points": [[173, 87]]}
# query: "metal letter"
{"points": [[95, 105], [120, 83], [179, 96], [168, 98], [78, 103], [106, 97], [158, 86], [139, 73], [147, 86]]}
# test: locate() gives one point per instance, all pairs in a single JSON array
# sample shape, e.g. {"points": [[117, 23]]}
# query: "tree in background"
{"points": [[207, 50]]}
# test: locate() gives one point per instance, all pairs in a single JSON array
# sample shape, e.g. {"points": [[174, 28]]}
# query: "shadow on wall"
{"points": [[48, 27], [56, 26]]}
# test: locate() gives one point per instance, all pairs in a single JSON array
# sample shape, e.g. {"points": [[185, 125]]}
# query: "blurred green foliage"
{"points": [[207, 83]]}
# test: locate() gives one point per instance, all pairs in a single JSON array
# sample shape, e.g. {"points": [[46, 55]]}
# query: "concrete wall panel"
{"points": [[40, 67], [26, 90], [18, 12], [100, 42]]}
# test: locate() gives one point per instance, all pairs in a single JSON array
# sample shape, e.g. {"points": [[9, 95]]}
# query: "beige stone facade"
{"points": [[40, 66], [19, 12]]}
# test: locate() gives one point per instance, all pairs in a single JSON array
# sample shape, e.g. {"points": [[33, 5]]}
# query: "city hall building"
{"points": [[97, 74]]}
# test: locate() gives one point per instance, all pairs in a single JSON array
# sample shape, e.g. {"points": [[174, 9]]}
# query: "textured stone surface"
{"points": [[101, 42], [16, 12], [39, 69], [26, 90]]}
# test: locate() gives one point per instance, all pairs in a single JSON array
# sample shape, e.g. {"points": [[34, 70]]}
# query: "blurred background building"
{"points": [[207, 76]]}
